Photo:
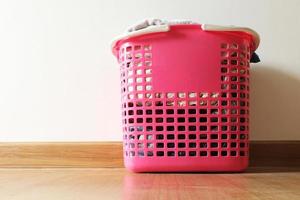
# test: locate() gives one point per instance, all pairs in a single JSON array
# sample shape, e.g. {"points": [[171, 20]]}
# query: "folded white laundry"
{"points": [[156, 22], [145, 24]]}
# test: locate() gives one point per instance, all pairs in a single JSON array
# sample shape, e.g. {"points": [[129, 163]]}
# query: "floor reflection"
{"points": [[185, 186]]}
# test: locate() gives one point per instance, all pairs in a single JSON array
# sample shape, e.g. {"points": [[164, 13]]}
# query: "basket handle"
{"points": [[210, 27], [150, 29]]}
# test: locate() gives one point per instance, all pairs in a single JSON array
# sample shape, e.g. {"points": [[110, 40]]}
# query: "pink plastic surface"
{"points": [[185, 100]]}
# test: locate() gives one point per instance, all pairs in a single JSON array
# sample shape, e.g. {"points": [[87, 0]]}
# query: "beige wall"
{"points": [[275, 109], [59, 81]]}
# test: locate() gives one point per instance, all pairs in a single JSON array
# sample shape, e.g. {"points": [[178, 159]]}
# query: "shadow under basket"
{"points": [[185, 100]]}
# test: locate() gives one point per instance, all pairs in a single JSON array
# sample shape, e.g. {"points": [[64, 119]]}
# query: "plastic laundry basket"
{"points": [[185, 97]]}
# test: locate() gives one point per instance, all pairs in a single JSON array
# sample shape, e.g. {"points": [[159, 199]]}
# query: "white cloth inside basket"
{"points": [[156, 22]]}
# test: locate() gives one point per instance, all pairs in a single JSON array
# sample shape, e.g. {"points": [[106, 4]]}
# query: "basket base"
{"points": [[186, 165]]}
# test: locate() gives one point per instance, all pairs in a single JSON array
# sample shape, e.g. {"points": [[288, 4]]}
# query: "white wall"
{"points": [[59, 81]]}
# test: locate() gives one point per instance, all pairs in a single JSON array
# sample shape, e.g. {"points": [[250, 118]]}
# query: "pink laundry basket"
{"points": [[185, 97]]}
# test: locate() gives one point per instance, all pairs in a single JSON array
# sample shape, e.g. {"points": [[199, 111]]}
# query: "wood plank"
{"points": [[61, 154], [109, 154], [275, 153]]}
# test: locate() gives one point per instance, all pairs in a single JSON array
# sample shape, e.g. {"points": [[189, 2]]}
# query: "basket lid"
{"points": [[157, 25]]}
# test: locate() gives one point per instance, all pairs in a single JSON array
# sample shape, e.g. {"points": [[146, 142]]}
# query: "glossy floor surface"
{"points": [[90, 184]]}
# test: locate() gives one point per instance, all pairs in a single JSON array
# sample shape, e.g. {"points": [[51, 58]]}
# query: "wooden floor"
{"points": [[117, 183]]}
